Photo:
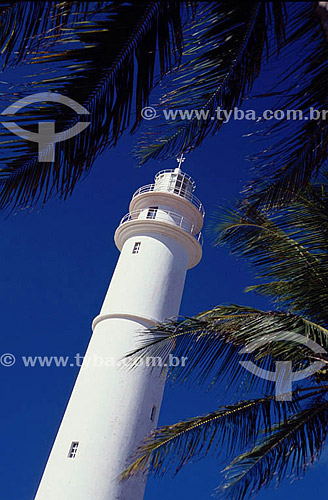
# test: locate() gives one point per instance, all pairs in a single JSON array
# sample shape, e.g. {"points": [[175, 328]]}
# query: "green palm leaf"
{"points": [[289, 248], [211, 343], [24, 26], [289, 449], [104, 57], [173, 446], [300, 148], [223, 58]]}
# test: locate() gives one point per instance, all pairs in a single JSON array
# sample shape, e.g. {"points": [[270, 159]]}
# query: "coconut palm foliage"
{"points": [[106, 56], [266, 439], [298, 149], [224, 51], [224, 60], [101, 54]]}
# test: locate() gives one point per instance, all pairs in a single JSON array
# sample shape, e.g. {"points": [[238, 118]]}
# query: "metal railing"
{"points": [[182, 193], [166, 216]]}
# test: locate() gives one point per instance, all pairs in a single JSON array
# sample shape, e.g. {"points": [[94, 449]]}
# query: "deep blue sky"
{"points": [[55, 268]]}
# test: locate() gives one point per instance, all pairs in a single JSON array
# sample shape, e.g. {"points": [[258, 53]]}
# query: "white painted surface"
{"points": [[109, 412]]}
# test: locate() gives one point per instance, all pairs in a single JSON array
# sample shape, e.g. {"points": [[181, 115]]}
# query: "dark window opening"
{"points": [[136, 247], [152, 212], [153, 413], [73, 449]]}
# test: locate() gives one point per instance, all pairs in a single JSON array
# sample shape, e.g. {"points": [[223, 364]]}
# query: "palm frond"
{"points": [[296, 150], [104, 60], [211, 343], [173, 446], [27, 27], [289, 248], [289, 449], [223, 58]]}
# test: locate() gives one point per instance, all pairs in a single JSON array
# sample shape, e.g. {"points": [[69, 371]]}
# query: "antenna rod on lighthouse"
{"points": [[180, 160]]}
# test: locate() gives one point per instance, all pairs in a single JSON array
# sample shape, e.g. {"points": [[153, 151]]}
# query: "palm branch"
{"points": [[211, 342], [289, 449], [289, 248], [222, 72], [294, 435], [298, 149], [173, 446], [24, 25], [223, 58], [101, 54]]}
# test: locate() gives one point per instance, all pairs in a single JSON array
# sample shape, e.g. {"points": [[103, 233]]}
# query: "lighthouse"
{"points": [[112, 408]]}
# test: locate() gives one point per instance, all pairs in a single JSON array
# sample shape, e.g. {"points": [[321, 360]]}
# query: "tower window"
{"points": [[153, 413], [181, 185], [73, 449], [136, 247], [152, 212]]}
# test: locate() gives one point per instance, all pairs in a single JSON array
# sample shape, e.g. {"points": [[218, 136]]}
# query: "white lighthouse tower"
{"points": [[113, 408]]}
